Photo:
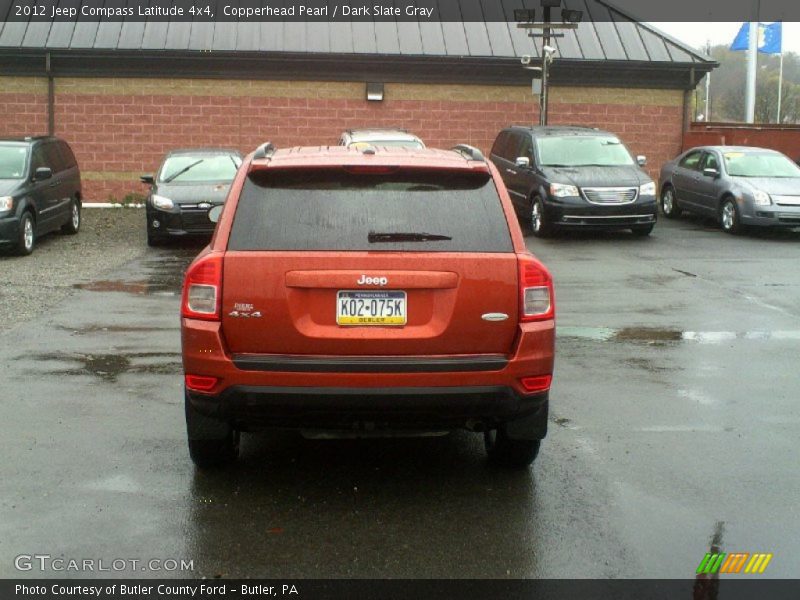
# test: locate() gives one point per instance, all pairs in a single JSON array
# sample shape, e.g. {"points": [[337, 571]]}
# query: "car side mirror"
{"points": [[523, 162], [711, 172], [42, 173], [148, 179], [641, 160], [214, 213]]}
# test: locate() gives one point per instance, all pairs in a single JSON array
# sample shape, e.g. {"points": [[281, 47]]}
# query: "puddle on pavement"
{"points": [[143, 287], [647, 365], [109, 367], [163, 277], [658, 336], [89, 329]]}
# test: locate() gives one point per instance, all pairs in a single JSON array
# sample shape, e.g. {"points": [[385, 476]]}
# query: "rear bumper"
{"points": [[424, 392], [414, 408]]}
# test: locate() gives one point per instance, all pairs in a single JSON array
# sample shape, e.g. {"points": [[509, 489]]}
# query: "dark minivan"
{"points": [[574, 177], [40, 191]]}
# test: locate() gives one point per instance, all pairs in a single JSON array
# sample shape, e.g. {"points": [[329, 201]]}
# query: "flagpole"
{"points": [[752, 58], [708, 83], [780, 84]]}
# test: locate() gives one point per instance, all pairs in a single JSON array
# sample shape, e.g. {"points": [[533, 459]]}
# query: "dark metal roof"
{"points": [[606, 35]]}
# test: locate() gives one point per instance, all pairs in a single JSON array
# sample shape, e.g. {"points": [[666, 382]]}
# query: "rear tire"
{"points": [[505, 452], [729, 218], [219, 444], [26, 238], [669, 203], [540, 226], [72, 226], [642, 230]]}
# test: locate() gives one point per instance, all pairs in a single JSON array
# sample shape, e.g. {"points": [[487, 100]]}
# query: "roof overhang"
{"points": [[346, 67]]}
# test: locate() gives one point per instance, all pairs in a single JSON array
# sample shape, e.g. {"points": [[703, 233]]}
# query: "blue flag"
{"points": [[769, 38]]}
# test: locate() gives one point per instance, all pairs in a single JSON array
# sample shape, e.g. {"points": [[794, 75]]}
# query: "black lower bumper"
{"points": [[592, 216], [182, 223], [9, 231], [393, 408]]}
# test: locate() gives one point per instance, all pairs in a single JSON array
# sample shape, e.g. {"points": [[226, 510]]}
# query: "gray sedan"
{"points": [[738, 185]]}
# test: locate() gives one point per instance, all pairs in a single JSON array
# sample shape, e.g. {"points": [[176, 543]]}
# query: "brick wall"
{"points": [[120, 128]]}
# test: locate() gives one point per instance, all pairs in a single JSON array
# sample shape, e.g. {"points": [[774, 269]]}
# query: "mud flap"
{"points": [[201, 427], [529, 427]]}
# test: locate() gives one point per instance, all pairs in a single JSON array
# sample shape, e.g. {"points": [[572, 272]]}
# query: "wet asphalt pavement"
{"points": [[674, 418]]}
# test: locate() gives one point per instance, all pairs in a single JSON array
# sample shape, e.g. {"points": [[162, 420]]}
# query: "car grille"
{"points": [[611, 195], [196, 219], [793, 218]]}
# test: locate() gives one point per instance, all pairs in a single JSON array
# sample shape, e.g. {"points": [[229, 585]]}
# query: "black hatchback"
{"points": [[40, 191], [189, 184], [574, 177]]}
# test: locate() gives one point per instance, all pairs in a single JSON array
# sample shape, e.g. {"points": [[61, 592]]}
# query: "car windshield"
{"points": [[393, 143], [759, 164], [199, 168], [12, 161], [582, 151]]}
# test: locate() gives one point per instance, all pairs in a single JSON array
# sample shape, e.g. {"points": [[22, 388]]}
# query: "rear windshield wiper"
{"points": [[183, 170], [376, 237]]}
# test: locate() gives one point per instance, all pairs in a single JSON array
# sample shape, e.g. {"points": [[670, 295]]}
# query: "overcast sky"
{"points": [[696, 34]]}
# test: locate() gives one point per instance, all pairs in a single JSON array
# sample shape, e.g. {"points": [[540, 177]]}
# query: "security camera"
{"points": [[549, 50], [526, 59]]}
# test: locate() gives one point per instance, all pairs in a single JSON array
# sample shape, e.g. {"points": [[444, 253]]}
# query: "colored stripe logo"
{"points": [[733, 563]]}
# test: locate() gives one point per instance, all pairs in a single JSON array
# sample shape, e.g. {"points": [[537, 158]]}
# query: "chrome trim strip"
{"points": [[577, 217], [494, 316]]}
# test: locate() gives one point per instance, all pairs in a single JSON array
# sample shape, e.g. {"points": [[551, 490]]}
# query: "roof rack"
{"points": [[469, 152], [559, 126], [352, 129], [264, 150]]}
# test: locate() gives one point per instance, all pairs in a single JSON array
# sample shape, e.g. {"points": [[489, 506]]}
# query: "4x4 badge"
{"points": [[246, 315]]}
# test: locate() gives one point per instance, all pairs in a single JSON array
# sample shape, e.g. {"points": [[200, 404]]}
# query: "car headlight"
{"points": [[761, 198], [648, 189], [6, 203], [559, 190], [162, 202]]}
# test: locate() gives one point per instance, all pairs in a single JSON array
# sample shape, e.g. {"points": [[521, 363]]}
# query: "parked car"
{"points": [[376, 136], [340, 294], [40, 191], [737, 185], [189, 183], [574, 177]]}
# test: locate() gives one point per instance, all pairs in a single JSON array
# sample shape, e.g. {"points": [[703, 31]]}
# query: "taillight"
{"points": [[537, 300], [202, 289]]}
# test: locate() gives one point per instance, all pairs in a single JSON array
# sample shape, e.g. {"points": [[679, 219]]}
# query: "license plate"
{"points": [[370, 308]]}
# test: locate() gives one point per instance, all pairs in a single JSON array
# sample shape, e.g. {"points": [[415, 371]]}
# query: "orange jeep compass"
{"points": [[355, 291]]}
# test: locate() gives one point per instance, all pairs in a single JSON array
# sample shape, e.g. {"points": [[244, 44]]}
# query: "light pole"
{"points": [[526, 20]]}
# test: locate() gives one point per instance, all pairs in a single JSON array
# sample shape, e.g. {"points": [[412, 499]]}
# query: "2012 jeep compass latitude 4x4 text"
{"points": [[359, 291]]}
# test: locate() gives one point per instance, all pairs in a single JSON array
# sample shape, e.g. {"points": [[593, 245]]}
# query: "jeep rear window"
{"points": [[333, 209]]}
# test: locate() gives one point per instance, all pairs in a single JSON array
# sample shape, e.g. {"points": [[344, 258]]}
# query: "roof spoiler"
{"points": [[264, 150], [470, 152]]}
